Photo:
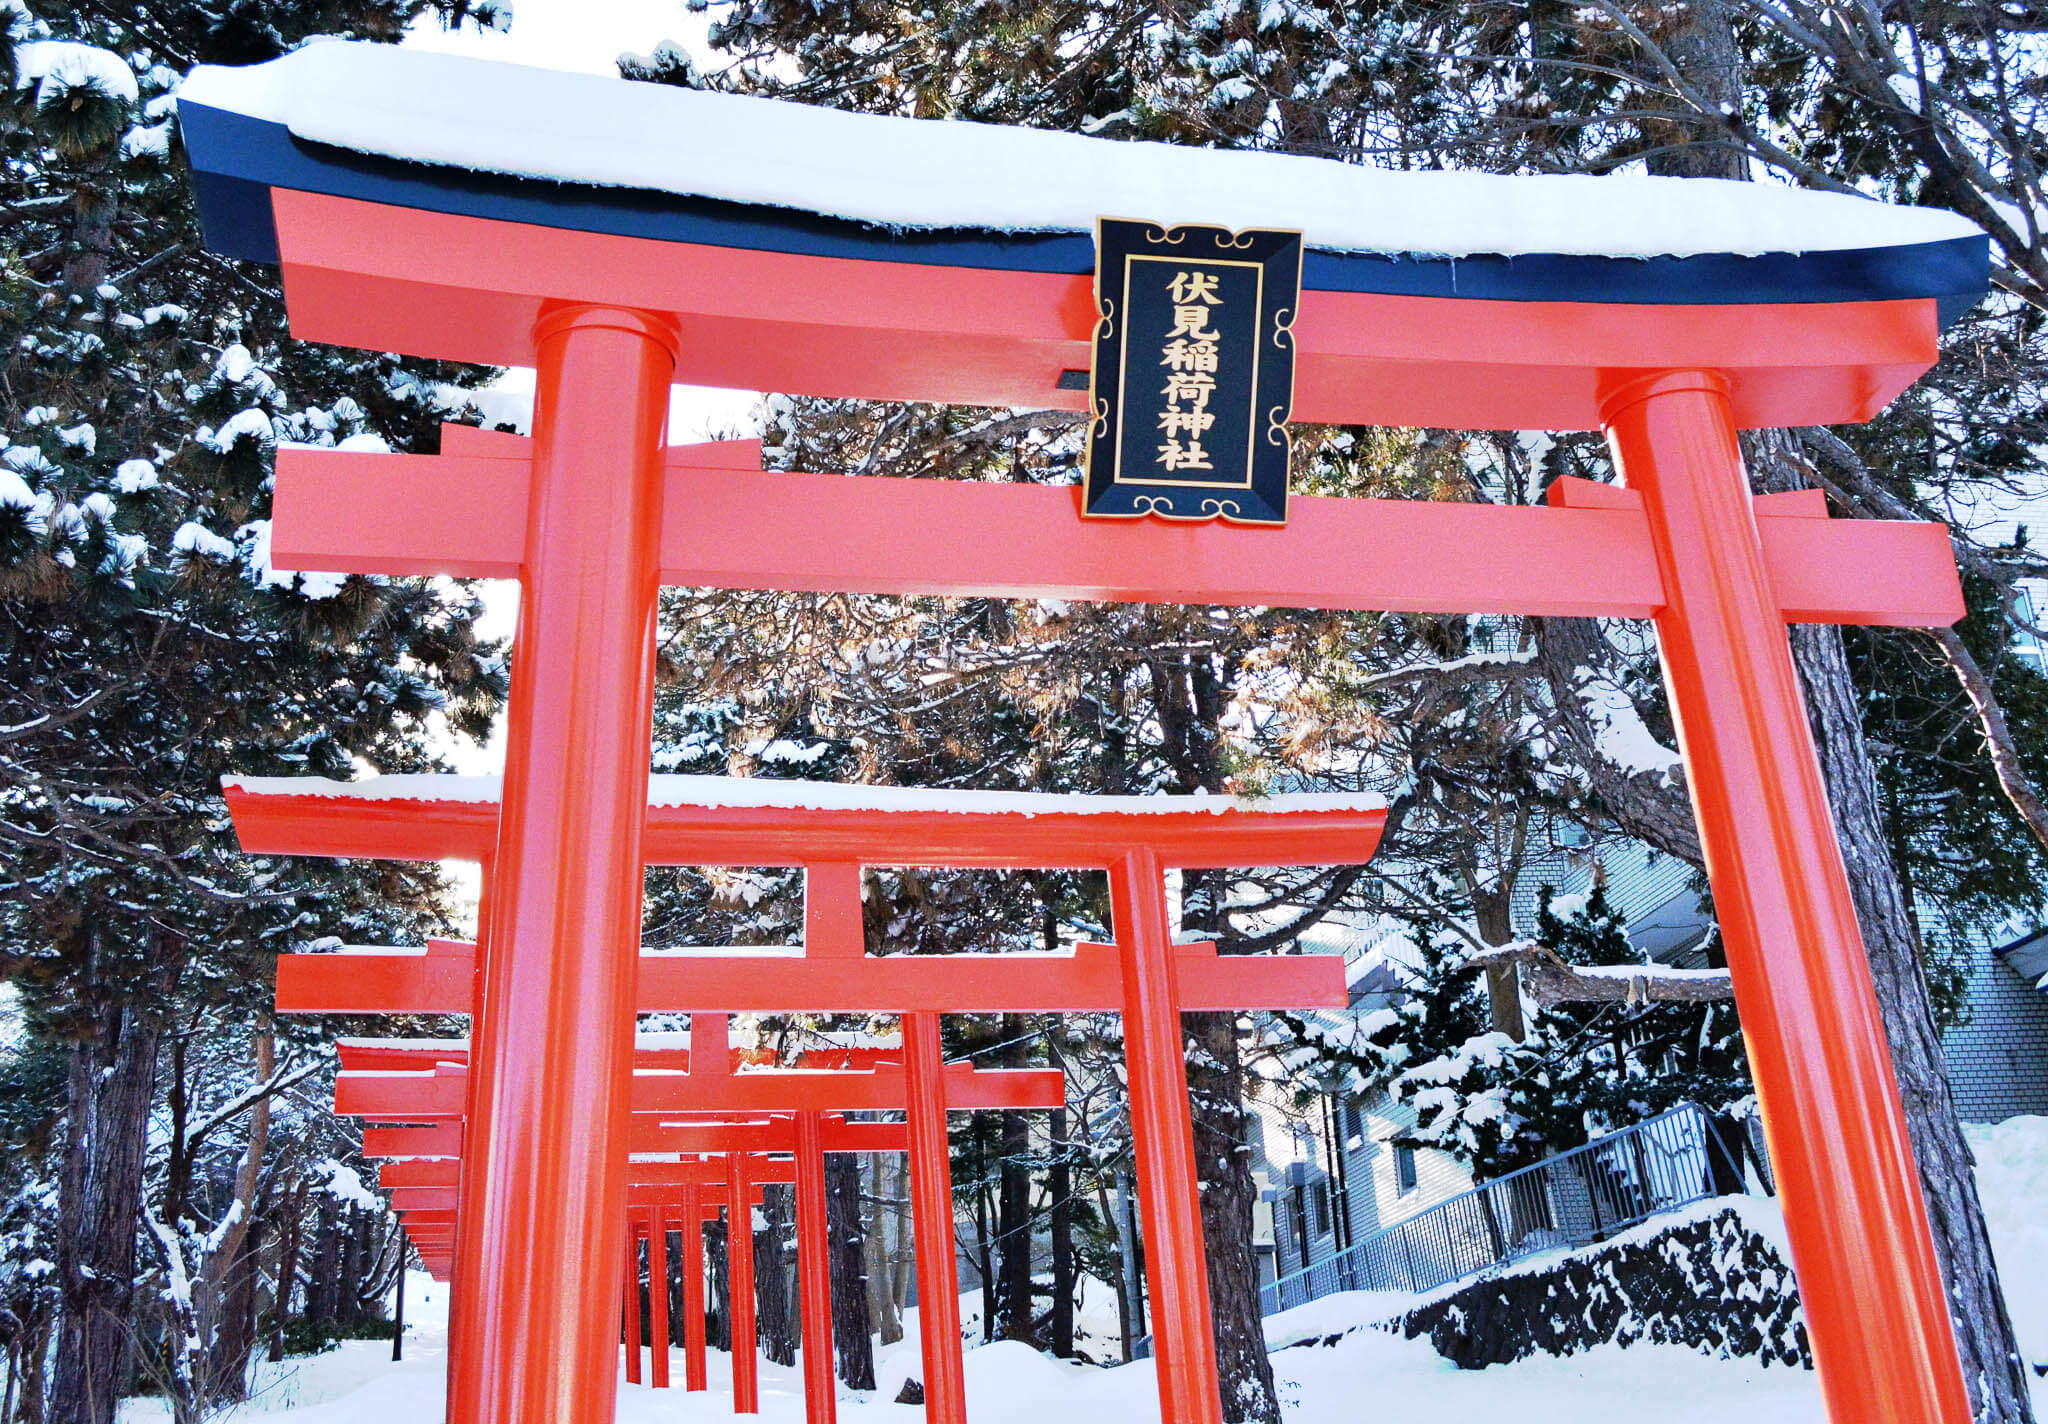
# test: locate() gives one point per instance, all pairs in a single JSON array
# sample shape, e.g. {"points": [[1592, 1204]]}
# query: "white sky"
{"points": [[585, 35], [589, 36]]}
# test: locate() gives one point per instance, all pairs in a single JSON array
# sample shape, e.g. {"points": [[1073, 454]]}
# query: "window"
{"points": [[1404, 1168], [1298, 1213], [1322, 1204], [1354, 1126]]}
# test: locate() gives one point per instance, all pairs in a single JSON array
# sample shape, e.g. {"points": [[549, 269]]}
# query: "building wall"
{"points": [[1294, 1152], [1998, 1061]]}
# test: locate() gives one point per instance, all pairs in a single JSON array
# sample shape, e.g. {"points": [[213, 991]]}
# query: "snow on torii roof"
{"points": [[775, 793], [554, 149], [726, 820]]}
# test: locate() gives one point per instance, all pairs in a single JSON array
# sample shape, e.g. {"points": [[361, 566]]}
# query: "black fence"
{"points": [[1577, 1197]]}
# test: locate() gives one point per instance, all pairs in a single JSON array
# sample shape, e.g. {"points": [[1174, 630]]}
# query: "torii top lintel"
{"points": [[715, 820], [430, 204]]}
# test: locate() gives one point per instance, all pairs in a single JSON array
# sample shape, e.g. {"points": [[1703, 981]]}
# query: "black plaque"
{"points": [[1194, 372]]}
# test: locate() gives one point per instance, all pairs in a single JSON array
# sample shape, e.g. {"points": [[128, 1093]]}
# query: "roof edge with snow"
{"points": [[751, 792], [553, 149]]}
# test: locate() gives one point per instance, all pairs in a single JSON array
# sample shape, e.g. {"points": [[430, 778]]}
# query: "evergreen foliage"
{"points": [[1498, 1103], [148, 647]]}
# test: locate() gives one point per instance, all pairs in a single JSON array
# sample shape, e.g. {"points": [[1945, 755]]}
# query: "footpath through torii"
{"points": [[623, 237], [831, 832]]}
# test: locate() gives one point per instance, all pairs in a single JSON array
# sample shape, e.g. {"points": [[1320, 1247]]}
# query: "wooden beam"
{"points": [[363, 512], [414, 818], [1088, 980], [427, 1097]]}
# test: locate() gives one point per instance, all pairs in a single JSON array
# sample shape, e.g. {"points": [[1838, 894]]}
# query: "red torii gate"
{"points": [[379, 1082], [614, 292], [711, 820]]}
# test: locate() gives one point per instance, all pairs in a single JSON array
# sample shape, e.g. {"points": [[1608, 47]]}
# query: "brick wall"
{"points": [[1998, 1061]]}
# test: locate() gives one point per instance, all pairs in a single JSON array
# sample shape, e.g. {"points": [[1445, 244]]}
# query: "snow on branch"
{"points": [[286, 1075], [1550, 980]]}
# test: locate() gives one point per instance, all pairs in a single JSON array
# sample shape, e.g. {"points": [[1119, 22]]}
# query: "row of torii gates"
{"points": [[614, 293], [701, 1124]]}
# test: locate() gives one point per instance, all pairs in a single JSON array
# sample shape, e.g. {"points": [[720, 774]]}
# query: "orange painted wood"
{"points": [[1163, 1149], [361, 512], [692, 1267], [1875, 1307], [369, 828], [400, 1055], [1089, 980], [707, 1172], [435, 1139], [931, 1209], [739, 1247], [814, 1276], [657, 1280], [442, 1141], [551, 1083], [651, 1134], [435, 284], [633, 1330], [424, 1097], [833, 927]]}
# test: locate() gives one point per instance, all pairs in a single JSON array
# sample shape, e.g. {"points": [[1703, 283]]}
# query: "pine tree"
{"points": [[147, 645], [1496, 1102]]}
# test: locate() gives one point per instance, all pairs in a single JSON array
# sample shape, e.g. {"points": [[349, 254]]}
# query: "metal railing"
{"points": [[1584, 1195]]}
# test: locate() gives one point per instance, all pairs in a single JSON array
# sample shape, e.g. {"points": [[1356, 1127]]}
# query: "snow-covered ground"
{"points": [[1319, 1384], [2012, 1178], [1009, 1383]]}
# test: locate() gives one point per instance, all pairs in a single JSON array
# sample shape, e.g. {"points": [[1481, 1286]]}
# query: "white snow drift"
{"points": [[935, 174]]}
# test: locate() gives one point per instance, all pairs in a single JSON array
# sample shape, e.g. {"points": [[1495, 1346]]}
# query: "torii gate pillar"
{"points": [[693, 1292], [657, 1287], [631, 1304], [814, 1275], [1162, 1137], [1857, 1224], [739, 1275], [544, 1185], [931, 1207]]}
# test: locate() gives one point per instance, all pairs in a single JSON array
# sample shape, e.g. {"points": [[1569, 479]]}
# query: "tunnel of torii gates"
{"points": [[685, 1167], [621, 237]]}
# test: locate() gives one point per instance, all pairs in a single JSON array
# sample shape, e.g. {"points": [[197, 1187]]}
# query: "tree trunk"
{"points": [[1059, 1185], [287, 1270], [902, 1249], [1013, 1207], [34, 1359], [322, 1296], [1223, 1167], [226, 1289], [773, 1316], [1130, 1276], [881, 1279], [358, 1263], [984, 1259], [1216, 1089], [718, 1295], [1493, 913], [1992, 1365], [846, 1234], [112, 1080], [234, 1338]]}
